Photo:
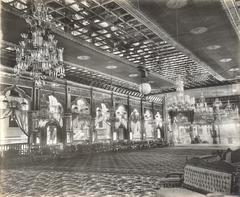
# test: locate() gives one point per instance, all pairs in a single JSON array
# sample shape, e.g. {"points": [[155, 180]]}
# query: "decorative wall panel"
{"points": [[102, 113], [135, 120], [81, 119]]}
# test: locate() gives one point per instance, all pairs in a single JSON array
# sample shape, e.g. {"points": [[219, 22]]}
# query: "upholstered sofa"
{"points": [[206, 176]]}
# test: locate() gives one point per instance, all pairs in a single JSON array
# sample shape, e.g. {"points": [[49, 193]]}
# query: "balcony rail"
{"points": [[21, 148]]}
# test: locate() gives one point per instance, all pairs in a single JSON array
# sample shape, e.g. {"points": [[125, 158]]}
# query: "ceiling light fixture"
{"points": [[224, 60], [38, 50], [213, 47], [111, 67], [233, 69], [83, 57], [176, 4], [199, 30], [133, 75]]}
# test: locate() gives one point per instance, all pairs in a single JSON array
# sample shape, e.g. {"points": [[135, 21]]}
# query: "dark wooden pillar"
{"points": [[67, 120], [153, 113], [165, 119], [92, 117], [142, 119], [112, 116], [33, 120], [128, 116]]}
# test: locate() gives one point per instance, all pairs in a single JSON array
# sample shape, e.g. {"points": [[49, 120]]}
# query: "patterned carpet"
{"points": [[104, 174]]}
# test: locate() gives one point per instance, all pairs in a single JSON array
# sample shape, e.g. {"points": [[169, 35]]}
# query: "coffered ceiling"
{"points": [[106, 41]]}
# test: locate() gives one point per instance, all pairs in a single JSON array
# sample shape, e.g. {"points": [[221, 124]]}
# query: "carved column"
{"points": [[153, 122], [128, 116], [142, 119], [92, 119], [112, 115], [67, 123], [165, 119], [33, 119]]}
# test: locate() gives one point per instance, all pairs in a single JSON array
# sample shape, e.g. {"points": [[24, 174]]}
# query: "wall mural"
{"points": [[81, 119], [148, 124], [135, 124], [102, 122], [121, 115]]}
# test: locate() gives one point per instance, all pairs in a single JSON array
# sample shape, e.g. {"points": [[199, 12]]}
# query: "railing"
{"points": [[22, 148], [25, 149]]}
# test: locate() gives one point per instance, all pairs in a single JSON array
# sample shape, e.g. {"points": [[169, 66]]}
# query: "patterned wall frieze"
{"points": [[133, 102], [120, 100], [55, 89], [80, 92], [101, 96], [147, 105]]}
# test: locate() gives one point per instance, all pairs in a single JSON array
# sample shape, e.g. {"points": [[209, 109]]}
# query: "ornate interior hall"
{"points": [[120, 98]]}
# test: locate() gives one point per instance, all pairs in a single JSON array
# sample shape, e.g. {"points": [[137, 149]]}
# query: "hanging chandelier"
{"points": [[225, 112], [202, 112], [202, 106], [144, 87], [180, 101], [38, 52]]}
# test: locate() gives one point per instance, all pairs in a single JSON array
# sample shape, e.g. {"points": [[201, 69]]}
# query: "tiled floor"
{"points": [[104, 174]]}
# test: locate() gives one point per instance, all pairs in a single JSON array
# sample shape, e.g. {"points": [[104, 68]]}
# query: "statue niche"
{"points": [[50, 122], [135, 124], [81, 119], [148, 124], [121, 123], [102, 123]]}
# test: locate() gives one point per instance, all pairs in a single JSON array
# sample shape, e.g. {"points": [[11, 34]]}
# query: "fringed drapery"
{"points": [[21, 118]]}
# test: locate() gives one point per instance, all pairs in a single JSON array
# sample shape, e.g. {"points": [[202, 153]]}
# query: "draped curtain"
{"points": [[20, 116]]}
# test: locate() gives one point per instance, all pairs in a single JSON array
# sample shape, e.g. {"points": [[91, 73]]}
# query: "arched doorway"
{"points": [[51, 133], [123, 133]]}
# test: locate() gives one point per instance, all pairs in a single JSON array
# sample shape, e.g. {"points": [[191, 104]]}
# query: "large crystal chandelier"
{"points": [[38, 52], [180, 101], [225, 112], [203, 113]]}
